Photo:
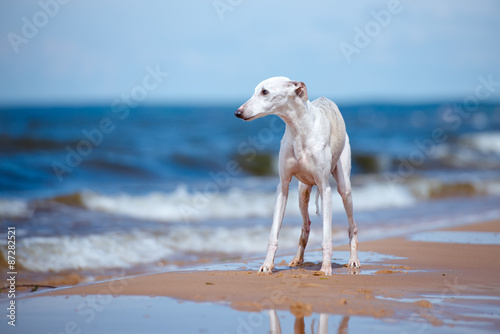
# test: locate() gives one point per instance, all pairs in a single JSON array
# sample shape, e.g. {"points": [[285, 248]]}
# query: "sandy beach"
{"points": [[405, 285]]}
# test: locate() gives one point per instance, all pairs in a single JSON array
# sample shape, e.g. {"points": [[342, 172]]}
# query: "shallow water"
{"points": [[133, 314], [311, 259], [459, 237]]}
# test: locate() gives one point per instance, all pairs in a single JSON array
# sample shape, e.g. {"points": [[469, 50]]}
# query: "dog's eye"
{"points": [[265, 92]]}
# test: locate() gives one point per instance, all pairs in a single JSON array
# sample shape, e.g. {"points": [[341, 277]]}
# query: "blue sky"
{"points": [[94, 51]]}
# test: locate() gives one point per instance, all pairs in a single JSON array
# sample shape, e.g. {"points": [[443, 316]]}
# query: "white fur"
{"points": [[315, 145]]}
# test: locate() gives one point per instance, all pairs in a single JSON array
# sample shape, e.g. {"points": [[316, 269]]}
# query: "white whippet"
{"points": [[315, 145]]}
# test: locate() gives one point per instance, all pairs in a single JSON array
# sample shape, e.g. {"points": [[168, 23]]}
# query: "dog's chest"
{"points": [[305, 157], [305, 171], [303, 165]]}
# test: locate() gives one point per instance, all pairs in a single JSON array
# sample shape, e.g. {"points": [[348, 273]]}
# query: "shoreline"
{"points": [[432, 282]]}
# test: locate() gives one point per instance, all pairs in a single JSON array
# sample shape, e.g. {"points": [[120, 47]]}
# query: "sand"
{"points": [[438, 284]]}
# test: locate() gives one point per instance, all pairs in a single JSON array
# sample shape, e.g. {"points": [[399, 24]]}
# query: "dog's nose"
{"points": [[238, 113]]}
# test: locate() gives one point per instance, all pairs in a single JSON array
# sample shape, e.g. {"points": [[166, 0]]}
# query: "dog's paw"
{"points": [[266, 269], [326, 268], [354, 263], [296, 262]]}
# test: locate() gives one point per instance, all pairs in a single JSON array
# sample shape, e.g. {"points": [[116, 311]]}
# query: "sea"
{"points": [[95, 190]]}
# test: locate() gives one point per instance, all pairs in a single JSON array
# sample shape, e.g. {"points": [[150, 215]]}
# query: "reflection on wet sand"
{"points": [[343, 326], [299, 325]]}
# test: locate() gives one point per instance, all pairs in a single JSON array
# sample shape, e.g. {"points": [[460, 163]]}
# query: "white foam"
{"points": [[124, 250], [382, 195], [492, 188], [14, 209], [184, 206], [486, 142], [58, 253]]}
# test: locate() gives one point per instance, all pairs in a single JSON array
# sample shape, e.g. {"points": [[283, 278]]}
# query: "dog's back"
{"points": [[338, 132]]}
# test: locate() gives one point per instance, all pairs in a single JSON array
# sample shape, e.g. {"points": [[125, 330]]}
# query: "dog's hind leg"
{"points": [[342, 176], [304, 194]]}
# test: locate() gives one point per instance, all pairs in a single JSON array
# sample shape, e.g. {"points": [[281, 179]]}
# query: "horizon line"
{"points": [[226, 103]]}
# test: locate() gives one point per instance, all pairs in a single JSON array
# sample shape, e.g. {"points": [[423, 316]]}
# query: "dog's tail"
{"points": [[317, 202]]}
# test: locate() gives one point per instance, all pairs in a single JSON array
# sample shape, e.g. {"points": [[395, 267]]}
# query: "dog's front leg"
{"points": [[326, 200], [279, 210]]}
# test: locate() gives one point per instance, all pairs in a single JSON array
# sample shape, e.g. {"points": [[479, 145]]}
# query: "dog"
{"points": [[315, 145]]}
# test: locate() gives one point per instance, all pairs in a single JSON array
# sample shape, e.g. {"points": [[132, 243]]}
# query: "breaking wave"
{"points": [[128, 249], [182, 205]]}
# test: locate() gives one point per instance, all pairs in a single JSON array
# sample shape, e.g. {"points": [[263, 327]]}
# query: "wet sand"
{"points": [[406, 284]]}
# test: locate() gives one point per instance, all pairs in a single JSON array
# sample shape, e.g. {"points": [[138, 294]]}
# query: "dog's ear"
{"points": [[300, 89]]}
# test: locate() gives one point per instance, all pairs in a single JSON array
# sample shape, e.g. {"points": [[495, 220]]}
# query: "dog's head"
{"points": [[272, 96]]}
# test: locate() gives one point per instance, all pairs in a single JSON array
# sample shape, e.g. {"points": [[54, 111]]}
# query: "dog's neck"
{"points": [[297, 116], [299, 121]]}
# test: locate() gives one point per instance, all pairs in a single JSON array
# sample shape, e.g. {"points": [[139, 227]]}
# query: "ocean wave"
{"points": [[432, 188], [480, 151], [11, 208], [146, 243], [128, 249], [485, 142], [58, 253], [182, 205]]}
